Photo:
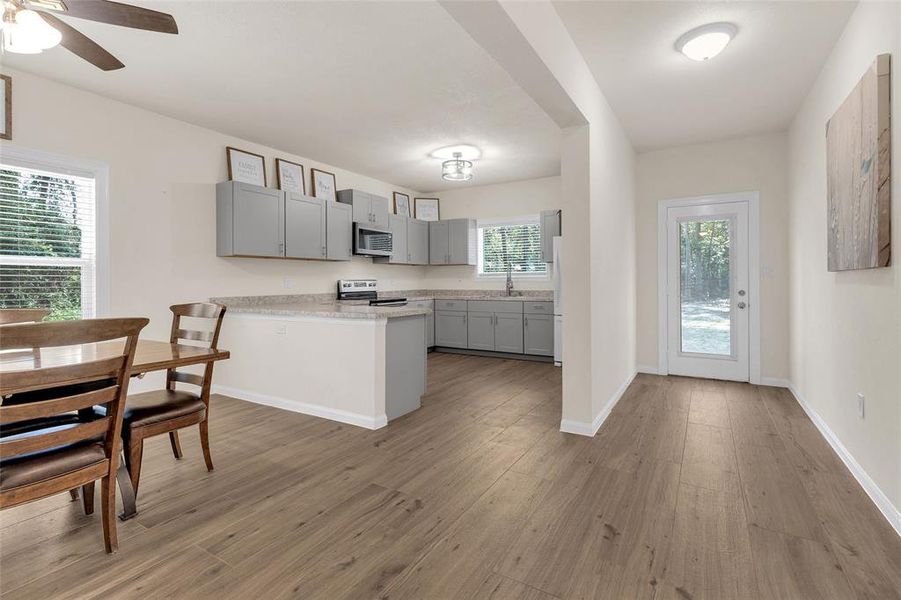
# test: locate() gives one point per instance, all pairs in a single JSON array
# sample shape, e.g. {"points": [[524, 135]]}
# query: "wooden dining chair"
{"points": [[154, 413], [36, 462], [9, 316]]}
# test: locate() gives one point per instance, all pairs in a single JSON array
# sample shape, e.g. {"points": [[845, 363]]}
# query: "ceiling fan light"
{"points": [[29, 34]]}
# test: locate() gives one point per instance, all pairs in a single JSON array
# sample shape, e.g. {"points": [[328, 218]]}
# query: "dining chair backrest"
{"points": [[209, 337], [40, 391], [22, 315]]}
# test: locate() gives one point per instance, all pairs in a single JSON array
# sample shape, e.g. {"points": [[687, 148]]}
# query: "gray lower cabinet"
{"points": [[305, 226], [481, 330], [452, 242], [250, 220], [550, 227], [339, 231], [538, 333], [368, 209], [429, 320], [508, 332], [450, 329]]}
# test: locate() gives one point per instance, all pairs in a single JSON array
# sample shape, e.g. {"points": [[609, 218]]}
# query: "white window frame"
{"points": [[99, 171], [499, 221]]}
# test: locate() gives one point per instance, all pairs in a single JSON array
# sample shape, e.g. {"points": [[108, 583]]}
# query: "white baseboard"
{"points": [[775, 382], [882, 502], [316, 410], [646, 369], [589, 429]]}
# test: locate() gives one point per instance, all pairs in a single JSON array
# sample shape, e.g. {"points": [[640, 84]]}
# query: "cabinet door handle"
{"points": [[526, 321]]}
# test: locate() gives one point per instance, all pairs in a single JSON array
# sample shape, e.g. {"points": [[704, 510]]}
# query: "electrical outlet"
{"points": [[860, 402], [289, 283], [281, 330]]}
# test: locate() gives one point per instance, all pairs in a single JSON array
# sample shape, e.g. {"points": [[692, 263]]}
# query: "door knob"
{"points": [[741, 305], [741, 292]]}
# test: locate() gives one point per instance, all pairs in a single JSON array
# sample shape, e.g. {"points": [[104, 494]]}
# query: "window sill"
{"points": [[503, 277]]}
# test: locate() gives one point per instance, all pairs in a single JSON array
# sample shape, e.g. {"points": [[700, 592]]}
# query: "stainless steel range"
{"points": [[365, 289]]}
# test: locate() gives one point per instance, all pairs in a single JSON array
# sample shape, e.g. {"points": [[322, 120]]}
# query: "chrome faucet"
{"points": [[509, 280]]}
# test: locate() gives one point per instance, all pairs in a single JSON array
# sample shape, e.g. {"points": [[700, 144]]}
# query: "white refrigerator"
{"points": [[558, 301]]}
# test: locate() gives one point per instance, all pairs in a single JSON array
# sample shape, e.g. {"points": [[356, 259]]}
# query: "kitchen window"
{"points": [[513, 242], [49, 236]]}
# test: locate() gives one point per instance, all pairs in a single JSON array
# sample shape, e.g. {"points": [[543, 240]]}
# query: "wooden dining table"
{"points": [[150, 356]]}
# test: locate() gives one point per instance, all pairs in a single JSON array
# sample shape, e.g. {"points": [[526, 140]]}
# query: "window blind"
{"points": [[516, 242], [47, 242]]}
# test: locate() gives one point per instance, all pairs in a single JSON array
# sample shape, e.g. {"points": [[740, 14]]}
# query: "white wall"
{"points": [[517, 198], [756, 163], [162, 202], [597, 174], [846, 327]]}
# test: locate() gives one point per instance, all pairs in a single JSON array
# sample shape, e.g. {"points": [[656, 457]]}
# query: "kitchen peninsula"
{"points": [[347, 362]]}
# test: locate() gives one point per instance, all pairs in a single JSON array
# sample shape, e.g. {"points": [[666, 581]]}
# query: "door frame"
{"points": [[752, 199]]}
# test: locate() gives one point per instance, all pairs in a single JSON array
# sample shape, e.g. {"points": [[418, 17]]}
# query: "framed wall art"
{"points": [[246, 167], [289, 176], [6, 105], [324, 184], [402, 204], [426, 209]]}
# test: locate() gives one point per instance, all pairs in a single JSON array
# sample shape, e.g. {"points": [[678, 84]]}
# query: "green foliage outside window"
{"points": [[516, 245], [38, 217]]}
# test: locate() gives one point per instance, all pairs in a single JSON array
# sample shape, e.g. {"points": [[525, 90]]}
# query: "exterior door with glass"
{"points": [[707, 291]]}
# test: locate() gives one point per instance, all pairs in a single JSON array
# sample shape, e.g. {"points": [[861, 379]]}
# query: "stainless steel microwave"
{"points": [[372, 241]]}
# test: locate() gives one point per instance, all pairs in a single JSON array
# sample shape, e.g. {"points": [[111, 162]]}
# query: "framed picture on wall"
{"points": [[324, 185], [426, 209], [246, 167], [402, 204], [289, 176], [6, 105]]}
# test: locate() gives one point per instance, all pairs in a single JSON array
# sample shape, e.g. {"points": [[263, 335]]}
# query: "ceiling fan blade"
{"points": [[125, 15], [81, 45]]}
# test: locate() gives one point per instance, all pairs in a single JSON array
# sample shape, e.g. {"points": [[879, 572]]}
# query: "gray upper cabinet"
{"points": [[339, 231], [250, 220], [410, 238], [400, 253], [453, 242], [305, 229], [508, 332], [550, 227], [368, 209], [418, 241], [381, 211], [438, 242], [538, 333]]}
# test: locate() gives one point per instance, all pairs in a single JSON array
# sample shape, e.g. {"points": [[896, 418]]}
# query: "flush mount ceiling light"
{"points": [[456, 169], [706, 41], [465, 151]]}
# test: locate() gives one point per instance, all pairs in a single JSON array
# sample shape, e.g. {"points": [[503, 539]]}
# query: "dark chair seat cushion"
{"points": [[154, 407], [40, 466]]}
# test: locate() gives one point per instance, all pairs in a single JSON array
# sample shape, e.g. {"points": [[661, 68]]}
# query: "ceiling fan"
{"points": [[30, 26]]}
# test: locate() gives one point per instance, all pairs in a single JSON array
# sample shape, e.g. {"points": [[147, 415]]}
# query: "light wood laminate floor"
{"points": [[691, 490]]}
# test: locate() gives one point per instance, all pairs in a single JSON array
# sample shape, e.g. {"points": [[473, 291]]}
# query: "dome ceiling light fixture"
{"points": [[456, 169], [704, 42]]}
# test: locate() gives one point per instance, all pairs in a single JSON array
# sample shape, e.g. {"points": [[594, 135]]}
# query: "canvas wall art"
{"points": [[858, 174]]}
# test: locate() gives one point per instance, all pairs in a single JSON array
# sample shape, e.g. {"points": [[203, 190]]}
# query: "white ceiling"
{"points": [[370, 87], [664, 99]]}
